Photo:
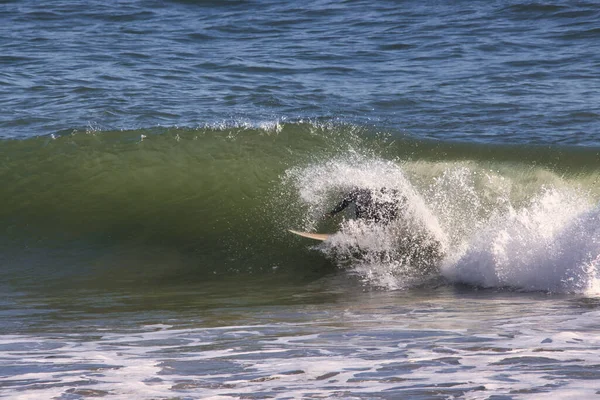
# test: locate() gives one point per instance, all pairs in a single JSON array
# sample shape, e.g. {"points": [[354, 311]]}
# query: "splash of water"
{"points": [[549, 244], [464, 223], [394, 255]]}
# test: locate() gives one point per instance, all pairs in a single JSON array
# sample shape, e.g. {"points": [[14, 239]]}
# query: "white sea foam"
{"points": [[525, 229], [550, 244], [463, 348]]}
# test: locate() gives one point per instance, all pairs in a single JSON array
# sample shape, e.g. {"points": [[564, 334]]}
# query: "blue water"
{"points": [[493, 71], [154, 153]]}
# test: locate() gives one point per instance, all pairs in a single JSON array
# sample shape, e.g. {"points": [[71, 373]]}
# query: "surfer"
{"points": [[412, 243], [376, 206]]}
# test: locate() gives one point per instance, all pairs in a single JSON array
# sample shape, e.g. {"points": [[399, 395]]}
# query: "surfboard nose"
{"points": [[315, 236]]}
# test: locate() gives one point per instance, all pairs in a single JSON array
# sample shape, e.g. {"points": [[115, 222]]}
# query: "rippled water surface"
{"points": [[486, 71]]}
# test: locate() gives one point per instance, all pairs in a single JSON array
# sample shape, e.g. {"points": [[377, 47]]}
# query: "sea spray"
{"points": [[511, 226], [393, 255], [547, 245]]}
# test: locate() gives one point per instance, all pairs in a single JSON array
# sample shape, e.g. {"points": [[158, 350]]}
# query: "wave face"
{"points": [[178, 205]]}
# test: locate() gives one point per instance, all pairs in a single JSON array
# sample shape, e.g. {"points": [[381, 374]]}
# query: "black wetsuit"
{"points": [[369, 207]]}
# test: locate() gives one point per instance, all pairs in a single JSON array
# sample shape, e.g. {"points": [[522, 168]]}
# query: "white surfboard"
{"points": [[315, 236]]}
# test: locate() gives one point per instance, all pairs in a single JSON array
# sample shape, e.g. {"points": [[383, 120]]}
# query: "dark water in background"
{"points": [[491, 71], [153, 154]]}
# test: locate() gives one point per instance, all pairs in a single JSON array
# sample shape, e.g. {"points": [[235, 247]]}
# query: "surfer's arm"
{"points": [[342, 205]]}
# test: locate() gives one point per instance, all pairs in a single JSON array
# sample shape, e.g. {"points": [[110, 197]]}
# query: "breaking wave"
{"points": [[186, 204]]}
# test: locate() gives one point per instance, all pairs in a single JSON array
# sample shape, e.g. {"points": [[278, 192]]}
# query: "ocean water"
{"points": [[153, 155]]}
